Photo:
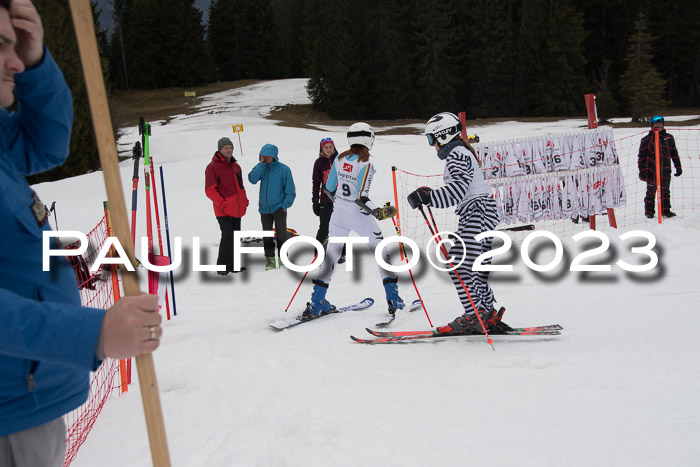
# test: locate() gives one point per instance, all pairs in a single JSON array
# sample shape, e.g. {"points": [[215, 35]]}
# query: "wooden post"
{"points": [[97, 96]]}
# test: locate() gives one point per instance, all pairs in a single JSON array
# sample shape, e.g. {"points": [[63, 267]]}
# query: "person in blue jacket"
{"points": [[49, 343], [277, 194]]}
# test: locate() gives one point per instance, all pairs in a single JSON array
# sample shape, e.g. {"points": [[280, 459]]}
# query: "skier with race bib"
{"points": [[466, 189], [349, 181]]}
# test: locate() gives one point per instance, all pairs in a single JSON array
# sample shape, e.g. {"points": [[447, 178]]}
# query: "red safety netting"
{"points": [[97, 290], [563, 183]]}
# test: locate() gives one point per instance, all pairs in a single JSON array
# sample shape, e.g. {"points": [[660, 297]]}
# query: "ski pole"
{"points": [[135, 188], [155, 206], [453, 270], [298, 286], [167, 236], [403, 253], [53, 210], [107, 149]]}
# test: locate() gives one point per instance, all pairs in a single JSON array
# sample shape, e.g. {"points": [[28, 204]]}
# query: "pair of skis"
{"points": [[387, 337], [362, 305]]}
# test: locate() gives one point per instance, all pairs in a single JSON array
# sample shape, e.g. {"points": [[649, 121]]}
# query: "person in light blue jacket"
{"points": [[277, 194], [49, 343]]}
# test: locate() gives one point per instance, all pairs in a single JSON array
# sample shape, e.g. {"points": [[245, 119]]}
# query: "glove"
{"points": [[317, 208], [679, 171], [386, 212], [419, 197]]}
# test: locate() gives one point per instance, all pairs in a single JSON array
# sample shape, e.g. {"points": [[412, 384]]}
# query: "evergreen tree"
{"points": [[438, 51], [59, 37], [491, 54], [606, 103], [550, 67], [221, 39], [642, 84], [288, 20], [162, 44], [394, 58]]}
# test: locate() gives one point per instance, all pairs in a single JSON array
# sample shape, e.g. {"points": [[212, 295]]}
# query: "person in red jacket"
{"points": [[224, 186]]}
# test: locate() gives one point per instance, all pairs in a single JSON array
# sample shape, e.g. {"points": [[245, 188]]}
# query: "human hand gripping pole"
{"points": [[97, 97]]}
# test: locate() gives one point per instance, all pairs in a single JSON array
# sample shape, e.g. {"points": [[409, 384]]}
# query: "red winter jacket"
{"points": [[224, 186]]}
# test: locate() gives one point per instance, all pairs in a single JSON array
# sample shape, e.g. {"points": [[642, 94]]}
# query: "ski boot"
{"points": [[468, 323], [392, 295], [318, 305], [271, 263]]}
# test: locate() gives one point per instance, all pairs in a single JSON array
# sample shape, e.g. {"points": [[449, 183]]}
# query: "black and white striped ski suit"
{"points": [[466, 189]]}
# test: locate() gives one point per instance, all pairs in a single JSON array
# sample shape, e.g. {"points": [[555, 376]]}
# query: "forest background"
{"points": [[393, 59]]}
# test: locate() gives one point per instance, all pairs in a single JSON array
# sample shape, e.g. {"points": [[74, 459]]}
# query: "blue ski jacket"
{"points": [[276, 186], [47, 340]]}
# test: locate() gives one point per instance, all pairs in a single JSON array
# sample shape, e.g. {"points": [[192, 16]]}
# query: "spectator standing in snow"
{"points": [[224, 187], [49, 343], [322, 203], [277, 194], [646, 162]]}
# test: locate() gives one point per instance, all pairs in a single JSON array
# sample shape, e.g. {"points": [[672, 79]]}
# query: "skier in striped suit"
{"points": [[464, 188]]}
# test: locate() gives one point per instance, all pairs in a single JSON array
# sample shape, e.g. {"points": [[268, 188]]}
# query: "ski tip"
{"points": [[360, 341]]}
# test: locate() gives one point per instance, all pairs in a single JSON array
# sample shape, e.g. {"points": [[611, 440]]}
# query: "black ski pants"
{"points": [[228, 225], [279, 220]]}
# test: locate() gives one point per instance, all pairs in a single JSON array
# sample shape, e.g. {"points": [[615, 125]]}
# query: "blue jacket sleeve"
{"points": [[37, 135], [49, 331], [289, 189], [257, 173]]}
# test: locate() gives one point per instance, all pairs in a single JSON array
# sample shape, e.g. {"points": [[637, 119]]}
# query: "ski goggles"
{"points": [[326, 140], [431, 139], [657, 119]]}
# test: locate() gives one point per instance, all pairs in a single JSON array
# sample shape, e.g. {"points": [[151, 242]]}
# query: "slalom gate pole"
{"points": [[405, 257], [135, 188], [107, 148], [658, 175], [454, 271], [167, 237], [160, 236], [397, 222], [298, 286]]}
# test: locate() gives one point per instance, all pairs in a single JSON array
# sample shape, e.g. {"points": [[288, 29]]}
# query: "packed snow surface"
{"points": [[620, 386]]}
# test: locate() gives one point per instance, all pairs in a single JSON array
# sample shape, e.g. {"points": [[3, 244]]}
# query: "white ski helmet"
{"points": [[361, 133], [443, 128]]}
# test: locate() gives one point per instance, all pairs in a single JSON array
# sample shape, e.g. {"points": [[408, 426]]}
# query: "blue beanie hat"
{"points": [[269, 150]]}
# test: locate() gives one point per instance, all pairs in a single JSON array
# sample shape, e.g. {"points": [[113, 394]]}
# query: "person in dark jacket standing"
{"points": [[49, 343], [277, 194], [646, 162], [224, 187], [322, 204]]}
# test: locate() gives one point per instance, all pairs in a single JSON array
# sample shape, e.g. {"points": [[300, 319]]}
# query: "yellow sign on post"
{"points": [[190, 94], [238, 129]]}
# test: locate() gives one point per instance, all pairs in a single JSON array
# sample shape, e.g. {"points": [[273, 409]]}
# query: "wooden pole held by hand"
{"points": [[97, 96]]}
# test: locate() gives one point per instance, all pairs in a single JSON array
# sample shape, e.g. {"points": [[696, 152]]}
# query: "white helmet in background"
{"points": [[361, 133], [442, 128]]}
